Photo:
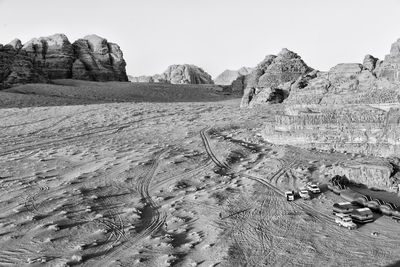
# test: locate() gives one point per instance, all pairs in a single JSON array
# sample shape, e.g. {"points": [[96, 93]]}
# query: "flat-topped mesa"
{"points": [[54, 57], [98, 60], [276, 73]]}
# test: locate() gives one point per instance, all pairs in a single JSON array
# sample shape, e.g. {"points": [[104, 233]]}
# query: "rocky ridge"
{"points": [[178, 74], [42, 59], [271, 79], [351, 108]]}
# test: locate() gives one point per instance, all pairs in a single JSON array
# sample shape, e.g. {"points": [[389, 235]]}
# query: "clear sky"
{"points": [[213, 34]]}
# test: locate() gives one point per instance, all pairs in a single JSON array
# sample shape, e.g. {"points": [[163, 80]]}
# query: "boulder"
{"points": [[102, 61], [186, 74]]}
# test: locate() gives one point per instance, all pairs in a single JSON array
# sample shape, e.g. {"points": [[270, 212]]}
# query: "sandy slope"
{"points": [[138, 184]]}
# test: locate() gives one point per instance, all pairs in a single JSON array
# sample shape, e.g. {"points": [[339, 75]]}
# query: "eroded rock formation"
{"points": [[178, 74], [273, 74], [102, 61], [352, 107], [186, 74], [54, 57]]}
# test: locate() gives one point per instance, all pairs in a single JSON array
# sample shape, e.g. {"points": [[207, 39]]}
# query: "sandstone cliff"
{"points": [[274, 74], [54, 57], [352, 107]]}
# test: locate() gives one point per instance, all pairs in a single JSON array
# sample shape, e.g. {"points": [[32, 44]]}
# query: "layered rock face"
{"points": [[352, 107], [54, 57], [178, 74], [374, 174], [17, 66], [98, 60], [276, 73]]}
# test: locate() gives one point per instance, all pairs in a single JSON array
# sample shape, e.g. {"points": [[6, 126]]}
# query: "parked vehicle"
{"points": [[345, 220], [289, 195], [374, 204], [343, 207], [304, 193], [313, 188], [387, 208], [362, 215], [396, 218]]}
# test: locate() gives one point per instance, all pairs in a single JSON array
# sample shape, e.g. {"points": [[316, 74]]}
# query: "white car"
{"points": [[313, 188], [345, 220], [304, 193]]}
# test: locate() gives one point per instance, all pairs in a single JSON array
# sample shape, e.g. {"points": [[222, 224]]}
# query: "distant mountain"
{"points": [[91, 58], [228, 76], [178, 74]]}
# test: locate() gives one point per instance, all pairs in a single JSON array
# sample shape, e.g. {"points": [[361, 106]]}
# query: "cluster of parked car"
{"points": [[355, 213], [304, 192]]}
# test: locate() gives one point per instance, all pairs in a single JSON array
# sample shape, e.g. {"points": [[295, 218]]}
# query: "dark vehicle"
{"points": [[396, 218], [363, 215], [374, 204], [343, 207], [387, 208]]}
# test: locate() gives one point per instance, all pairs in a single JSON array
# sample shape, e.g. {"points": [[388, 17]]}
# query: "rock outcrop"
{"points": [[352, 107], [276, 73], [17, 67], [54, 57], [390, 67], [141, 79], [229, 76], [178, 74], [186, 74], [98, 60]]}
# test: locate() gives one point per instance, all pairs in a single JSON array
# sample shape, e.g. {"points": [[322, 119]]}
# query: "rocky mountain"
{"points": [[276, 73], [42, 59], [229, 76], [178, 74], [353, 107]]}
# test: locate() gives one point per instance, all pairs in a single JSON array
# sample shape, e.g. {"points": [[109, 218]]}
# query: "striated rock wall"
{"points": [[352, 107], [54, 57], [372, 174], [358, 129], [102, 61]]}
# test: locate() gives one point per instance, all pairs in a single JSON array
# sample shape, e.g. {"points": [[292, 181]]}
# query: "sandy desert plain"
{"points": [[173, 176]]}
